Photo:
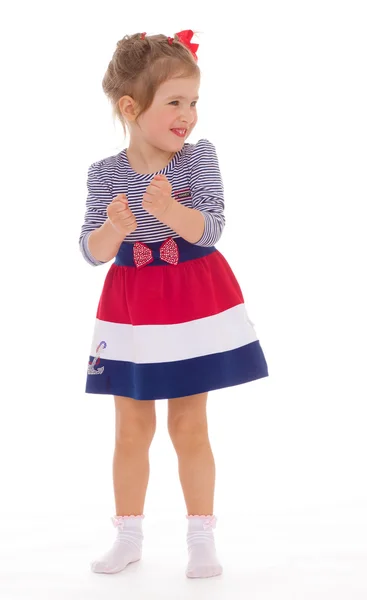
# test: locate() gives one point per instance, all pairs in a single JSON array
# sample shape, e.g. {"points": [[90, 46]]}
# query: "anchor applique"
{"points": [[96, 360]]}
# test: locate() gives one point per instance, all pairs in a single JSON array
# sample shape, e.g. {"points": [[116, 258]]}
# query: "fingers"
{"points": [[124, 222], [120, 215], [147, 198], [158, 186], [120, 199], [118, 205], [154, 186]]}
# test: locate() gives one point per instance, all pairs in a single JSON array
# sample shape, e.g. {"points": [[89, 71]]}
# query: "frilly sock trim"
{"points": [[119, 520]]}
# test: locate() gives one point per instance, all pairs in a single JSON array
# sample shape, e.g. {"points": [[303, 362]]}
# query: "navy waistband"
{"points": [[186, 252]]}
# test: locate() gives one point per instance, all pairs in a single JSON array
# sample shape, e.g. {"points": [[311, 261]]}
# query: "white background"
{"points": [[283, 98]]}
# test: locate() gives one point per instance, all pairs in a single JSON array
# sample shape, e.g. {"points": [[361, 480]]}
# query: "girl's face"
{"points": [[173, 107]]}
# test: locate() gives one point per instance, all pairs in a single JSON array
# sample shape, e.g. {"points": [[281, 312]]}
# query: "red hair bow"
{"points": [[185, 39]]}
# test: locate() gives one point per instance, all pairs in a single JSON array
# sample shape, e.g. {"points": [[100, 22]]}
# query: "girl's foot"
{"points": [[127, 547], [203, 560]]}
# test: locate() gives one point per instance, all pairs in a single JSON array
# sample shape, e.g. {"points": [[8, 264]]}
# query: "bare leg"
{"points": [[188, 429], [135, 427]]}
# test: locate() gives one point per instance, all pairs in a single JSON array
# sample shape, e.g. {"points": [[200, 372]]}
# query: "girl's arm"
{"points": [[202, 224], [104, 242], [189, 223]]}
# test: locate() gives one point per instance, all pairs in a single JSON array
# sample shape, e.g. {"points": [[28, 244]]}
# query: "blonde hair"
{"points": [[140, 65]]}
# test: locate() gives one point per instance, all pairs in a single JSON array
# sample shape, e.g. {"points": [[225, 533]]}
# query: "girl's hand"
{"points": [[120, 215], [158, 196]]}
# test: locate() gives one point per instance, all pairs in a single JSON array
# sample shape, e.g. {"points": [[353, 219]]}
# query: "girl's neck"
{"points": [[146, 164]]}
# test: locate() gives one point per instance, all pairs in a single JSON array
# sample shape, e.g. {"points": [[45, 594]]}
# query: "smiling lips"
{"points": [[179, 132]]}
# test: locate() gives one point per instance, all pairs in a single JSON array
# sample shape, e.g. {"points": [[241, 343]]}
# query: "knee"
{"points": [[135, 432], [187, 432]]}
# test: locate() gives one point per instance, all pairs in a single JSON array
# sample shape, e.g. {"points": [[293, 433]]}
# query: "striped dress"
{"points": [[171, 320]]}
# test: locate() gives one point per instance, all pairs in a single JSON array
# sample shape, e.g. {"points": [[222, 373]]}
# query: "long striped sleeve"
{"points": [[99, 197], [207, 190]]}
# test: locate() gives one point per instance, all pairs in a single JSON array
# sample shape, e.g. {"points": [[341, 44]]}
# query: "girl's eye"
{"points": [[193, 102]]}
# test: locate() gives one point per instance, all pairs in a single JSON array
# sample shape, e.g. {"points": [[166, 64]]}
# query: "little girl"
{"points": [[171, 321]]}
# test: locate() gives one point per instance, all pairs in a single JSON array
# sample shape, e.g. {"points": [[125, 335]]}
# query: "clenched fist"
{"points": [[158, 196], [121, 216]]}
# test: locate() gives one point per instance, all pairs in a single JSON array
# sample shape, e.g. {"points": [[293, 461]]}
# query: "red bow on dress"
{"points": [[167, 252], [185, 39]]}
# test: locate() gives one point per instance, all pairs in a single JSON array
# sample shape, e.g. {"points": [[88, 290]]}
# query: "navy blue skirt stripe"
{"points": [[180, 378]]}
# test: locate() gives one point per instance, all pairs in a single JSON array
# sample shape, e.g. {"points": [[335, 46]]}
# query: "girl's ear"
{"points": [[128, 107]]}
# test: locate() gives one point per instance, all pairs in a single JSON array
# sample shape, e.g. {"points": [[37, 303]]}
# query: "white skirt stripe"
{"points": [[225, 331]]}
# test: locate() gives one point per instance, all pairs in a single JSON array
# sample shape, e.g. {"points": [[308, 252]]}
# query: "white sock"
{"points": [[203, 560], [126, 549]]}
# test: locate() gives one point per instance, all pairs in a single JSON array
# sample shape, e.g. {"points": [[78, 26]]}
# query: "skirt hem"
{"points": [[198, 390]]}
